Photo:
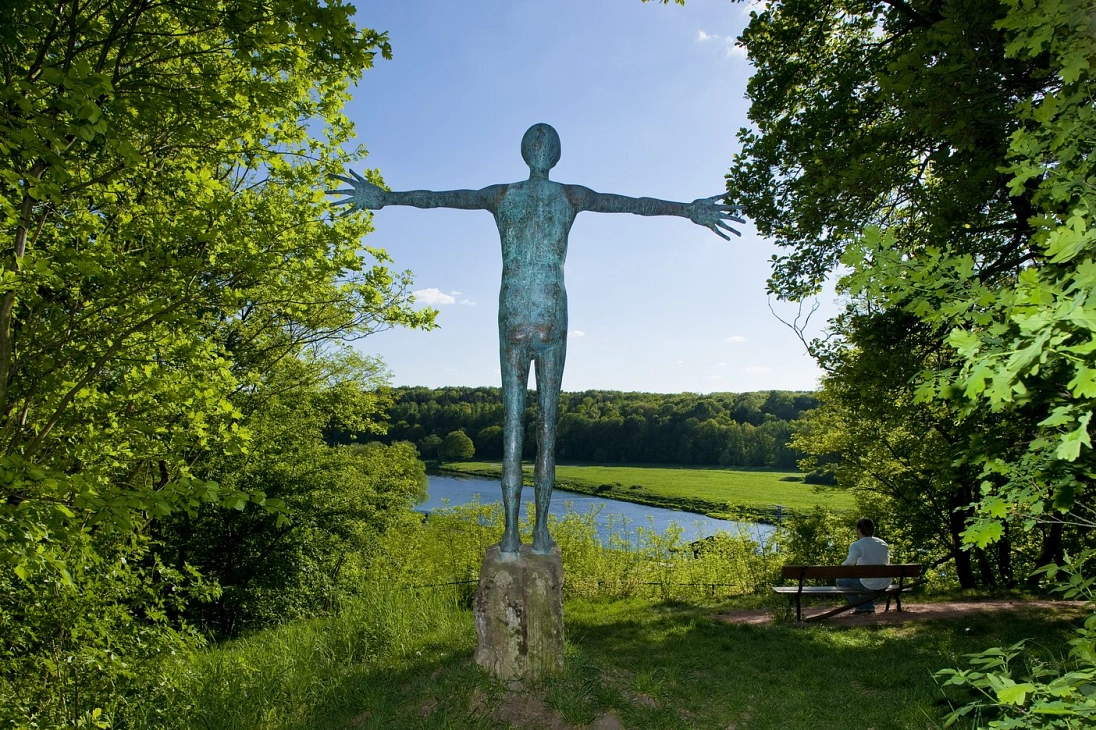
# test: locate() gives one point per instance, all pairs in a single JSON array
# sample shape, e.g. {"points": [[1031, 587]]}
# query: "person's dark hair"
{"points": [[866, 526]]}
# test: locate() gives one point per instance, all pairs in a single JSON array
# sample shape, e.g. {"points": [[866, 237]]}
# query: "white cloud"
{"points": [[679, 362], [730, 44], [721, 364], [576, 333], [756, 6], [734, 339], [756, 370], [434, 297]]}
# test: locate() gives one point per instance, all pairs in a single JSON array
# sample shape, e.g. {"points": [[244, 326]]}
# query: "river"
{"points": [[612, 515]]}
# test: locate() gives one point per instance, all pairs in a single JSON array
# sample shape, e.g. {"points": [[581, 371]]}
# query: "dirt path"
{"points": [[911, 612]]}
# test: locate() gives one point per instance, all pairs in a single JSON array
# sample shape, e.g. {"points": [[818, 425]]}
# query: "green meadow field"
{"points": [[717, 492]]}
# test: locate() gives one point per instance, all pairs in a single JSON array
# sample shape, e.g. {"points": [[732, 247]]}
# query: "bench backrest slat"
{"points": [[808, 572]]}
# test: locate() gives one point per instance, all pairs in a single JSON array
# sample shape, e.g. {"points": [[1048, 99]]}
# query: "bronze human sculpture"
{"points": [[534, 217]]}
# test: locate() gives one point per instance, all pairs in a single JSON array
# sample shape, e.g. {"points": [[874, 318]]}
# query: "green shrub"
{"points": [[89, 652], [819, 537], [1014, 689]]}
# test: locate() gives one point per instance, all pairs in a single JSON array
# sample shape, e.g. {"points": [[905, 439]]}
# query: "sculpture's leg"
{"points": [[515, 383], [549, 380]]}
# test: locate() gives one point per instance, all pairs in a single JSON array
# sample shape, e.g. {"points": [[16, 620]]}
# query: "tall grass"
{"points": [[634, 560], [400, 654], [293, 676]]}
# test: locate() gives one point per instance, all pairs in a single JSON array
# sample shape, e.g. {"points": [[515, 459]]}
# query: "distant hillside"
{"points": [[729, 429]]}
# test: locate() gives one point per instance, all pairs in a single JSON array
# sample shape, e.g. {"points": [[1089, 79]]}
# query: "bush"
{"points": [[819, 537], [1014, 690], [89, 651], [456, 447]]}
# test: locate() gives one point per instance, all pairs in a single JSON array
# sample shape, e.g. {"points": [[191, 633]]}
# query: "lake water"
{"points": [[612, 515]]}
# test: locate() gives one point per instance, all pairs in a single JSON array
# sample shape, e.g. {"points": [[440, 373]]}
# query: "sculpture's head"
{"points": [[540, 147]]}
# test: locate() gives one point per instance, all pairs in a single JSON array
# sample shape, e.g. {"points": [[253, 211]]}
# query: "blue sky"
{"points": [[647, 100]]}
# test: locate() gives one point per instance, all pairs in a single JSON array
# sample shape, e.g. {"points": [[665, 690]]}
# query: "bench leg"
{"points": [[839, 609], [866, 598]]}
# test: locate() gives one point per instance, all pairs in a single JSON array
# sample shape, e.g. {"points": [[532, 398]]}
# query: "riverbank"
{"points": [[745, 495]]}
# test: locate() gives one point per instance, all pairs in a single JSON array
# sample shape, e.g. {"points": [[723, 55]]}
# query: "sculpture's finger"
{"points": [[347, 201], [717, 232], [359, 177], [344, 191], [726, 227], [346, 212], [714, 198], [341, 177], [735, 218]]}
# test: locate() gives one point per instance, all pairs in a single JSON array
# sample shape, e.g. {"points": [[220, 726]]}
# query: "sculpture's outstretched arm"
{"points": [[707, 212], [364, 195]]}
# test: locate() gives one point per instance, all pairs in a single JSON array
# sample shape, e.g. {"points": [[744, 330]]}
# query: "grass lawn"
{"points": [[648, 664], [718, 492]]}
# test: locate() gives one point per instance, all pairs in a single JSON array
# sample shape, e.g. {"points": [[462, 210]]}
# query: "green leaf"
{"points": [[1083, 384], [1069, 448], [1014, 694], [983, 533]]}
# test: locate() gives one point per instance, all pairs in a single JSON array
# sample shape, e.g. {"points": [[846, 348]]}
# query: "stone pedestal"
{"points": [[519, 615]]}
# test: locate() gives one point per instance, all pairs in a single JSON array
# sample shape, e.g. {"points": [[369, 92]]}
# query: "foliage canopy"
{"points": [[169, 277]]}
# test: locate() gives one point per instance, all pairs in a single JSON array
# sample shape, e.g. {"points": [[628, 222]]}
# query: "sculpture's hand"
{"points": [[714, 215], [364, 195]]}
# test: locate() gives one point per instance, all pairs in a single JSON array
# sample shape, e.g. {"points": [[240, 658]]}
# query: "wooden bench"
{"points": [[802, 573]]}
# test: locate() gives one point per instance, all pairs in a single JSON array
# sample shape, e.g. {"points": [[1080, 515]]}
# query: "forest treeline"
{"points": [[726, 429]]}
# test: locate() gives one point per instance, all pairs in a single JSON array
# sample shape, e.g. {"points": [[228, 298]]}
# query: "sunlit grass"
{"points": [[402, 657], [405, 661], [718, 492]]}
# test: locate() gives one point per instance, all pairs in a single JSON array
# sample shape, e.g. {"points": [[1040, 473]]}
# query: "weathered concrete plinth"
{"points": [[519, 614]]}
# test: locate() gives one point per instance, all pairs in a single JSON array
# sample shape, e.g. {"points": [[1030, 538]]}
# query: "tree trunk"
{"points": [[1052, 551], [957, 517]]}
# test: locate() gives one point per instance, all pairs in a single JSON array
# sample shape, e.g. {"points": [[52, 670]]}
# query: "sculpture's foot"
{"points": [[511, 542], [542, 542]]}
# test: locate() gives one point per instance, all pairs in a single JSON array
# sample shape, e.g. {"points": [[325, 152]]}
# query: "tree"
{"points": [[166, 250], [886, 138], [613, 426], [489, 442], [942, 152], [338, 501], [164, 247], [429, 445], [456, 447]]}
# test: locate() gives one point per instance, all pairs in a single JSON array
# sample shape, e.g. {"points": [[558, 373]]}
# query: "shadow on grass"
{"points": [[673, 666]]}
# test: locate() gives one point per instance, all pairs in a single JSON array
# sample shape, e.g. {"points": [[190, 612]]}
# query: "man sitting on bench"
{"points": [[867, 550]]}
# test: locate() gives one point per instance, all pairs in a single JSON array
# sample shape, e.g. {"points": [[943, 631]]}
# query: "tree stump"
{"points": [[519, 615]]}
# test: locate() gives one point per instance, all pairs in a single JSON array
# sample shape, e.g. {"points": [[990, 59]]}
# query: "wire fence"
{"points": [[661, 585]]}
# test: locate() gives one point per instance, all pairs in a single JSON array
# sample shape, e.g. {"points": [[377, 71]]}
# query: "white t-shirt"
{"points": [[870, 551]]}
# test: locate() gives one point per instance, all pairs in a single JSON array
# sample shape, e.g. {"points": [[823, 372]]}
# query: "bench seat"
{"points": [[802, 573]]}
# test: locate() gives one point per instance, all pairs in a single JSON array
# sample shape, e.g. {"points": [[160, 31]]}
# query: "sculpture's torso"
{"points": [[534, 218]]}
